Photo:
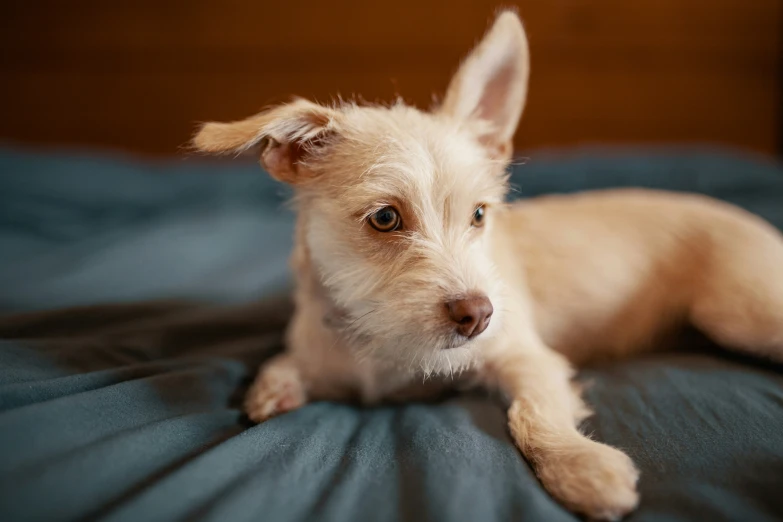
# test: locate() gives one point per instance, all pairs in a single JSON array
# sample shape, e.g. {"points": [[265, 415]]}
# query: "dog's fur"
{"points": [[570, 277]]}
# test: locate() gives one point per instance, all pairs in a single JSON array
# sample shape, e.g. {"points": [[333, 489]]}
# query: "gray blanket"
{"points": [[140, 298]]}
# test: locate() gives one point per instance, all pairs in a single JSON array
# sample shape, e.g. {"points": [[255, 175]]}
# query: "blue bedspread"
{"points": [[140, 298]]}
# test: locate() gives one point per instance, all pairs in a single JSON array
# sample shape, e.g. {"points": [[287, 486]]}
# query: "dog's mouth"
{"points": [[456, 341], [340, 323]]}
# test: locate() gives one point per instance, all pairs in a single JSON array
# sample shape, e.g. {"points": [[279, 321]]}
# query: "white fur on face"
{"points": [[392, 288]]}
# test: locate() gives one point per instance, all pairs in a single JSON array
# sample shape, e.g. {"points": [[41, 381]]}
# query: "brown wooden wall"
{"points": [[137, 75]]}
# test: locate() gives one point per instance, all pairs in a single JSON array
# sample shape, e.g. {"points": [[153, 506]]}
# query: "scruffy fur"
{"points": [[570, 278]]}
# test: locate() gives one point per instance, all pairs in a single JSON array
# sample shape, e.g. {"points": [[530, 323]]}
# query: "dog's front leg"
{"points": [[586, 476], [278, 388]]}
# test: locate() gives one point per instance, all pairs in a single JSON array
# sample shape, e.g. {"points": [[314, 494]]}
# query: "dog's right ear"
{"points": [[288, 134]]}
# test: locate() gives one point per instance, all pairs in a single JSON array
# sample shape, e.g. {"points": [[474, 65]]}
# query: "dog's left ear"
{"points": [[491, 84]]}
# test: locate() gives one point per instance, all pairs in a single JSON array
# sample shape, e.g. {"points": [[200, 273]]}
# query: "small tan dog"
{"points": [[408, 263]]}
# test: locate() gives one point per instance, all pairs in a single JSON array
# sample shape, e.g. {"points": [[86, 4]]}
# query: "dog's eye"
{"points": [[386, 219], [478, 216]]}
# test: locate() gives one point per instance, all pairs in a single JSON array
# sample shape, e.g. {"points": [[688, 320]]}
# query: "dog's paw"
{"points": [[590, 478], [278, 389]]}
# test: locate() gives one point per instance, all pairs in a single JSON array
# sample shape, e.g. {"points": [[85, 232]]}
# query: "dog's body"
{"points": [[408, 263]]}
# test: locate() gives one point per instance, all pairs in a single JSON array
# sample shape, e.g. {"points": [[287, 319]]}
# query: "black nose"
{"points": [[471, 315]]}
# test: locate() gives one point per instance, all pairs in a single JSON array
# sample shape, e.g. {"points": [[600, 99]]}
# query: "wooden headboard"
{"points": [[138, 75]]}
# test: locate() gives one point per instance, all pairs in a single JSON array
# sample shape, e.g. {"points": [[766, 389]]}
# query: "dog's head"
{"points": [[397, 204]]}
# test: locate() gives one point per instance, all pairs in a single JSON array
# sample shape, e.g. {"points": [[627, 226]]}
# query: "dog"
{"points": [[408, 263]]}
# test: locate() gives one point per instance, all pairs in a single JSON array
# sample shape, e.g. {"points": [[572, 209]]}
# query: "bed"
{"points": [[138, 298]]}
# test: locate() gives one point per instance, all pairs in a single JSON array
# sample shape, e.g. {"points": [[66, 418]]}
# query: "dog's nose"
{"points": [[471, 315]]}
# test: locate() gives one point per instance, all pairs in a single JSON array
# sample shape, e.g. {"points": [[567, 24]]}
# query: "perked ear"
{"points": [[491, 84], [288, 135]]}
